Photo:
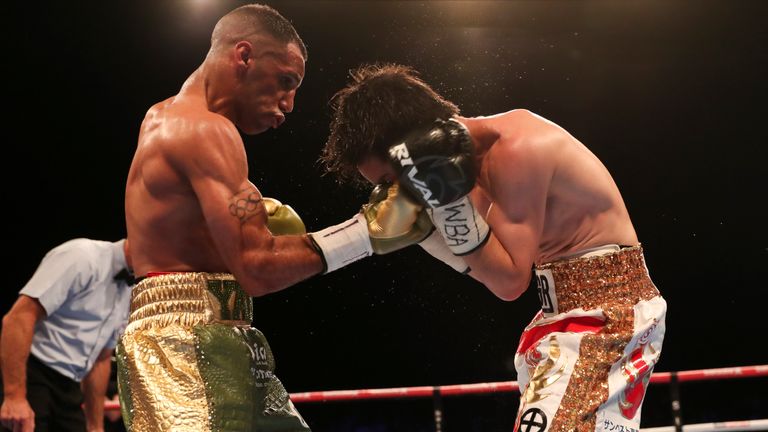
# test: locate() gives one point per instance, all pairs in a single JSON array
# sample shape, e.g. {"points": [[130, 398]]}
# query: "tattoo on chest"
{"points": [[244, 204]]}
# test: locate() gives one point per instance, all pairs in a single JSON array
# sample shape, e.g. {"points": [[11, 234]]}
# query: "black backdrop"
{"points": [[670, 95]]}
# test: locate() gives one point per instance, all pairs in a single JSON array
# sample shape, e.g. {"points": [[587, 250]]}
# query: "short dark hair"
{"points": [[245, 21], [381, 104]]}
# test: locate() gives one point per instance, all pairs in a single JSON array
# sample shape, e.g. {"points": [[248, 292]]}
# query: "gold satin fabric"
{"points": [[166, 389]]}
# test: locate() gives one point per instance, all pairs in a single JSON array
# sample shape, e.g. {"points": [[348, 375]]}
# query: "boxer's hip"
{"points": [[584, 361], [189, 360], [188, 299], [601, 278]]}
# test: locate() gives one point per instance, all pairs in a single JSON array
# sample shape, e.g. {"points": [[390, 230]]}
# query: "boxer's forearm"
{"points": [[15, 343], [94, 388], [262, 262], [278, 264], [492, 265]]}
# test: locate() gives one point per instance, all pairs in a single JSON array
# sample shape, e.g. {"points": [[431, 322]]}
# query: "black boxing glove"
{"points": [[436, 164]]}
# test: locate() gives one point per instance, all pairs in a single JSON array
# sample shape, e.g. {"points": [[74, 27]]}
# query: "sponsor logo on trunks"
{"points": [[644, 337], [532, 420], [259, 352], [260, 365], [614, 427], [263, 375], [229, 299], [636, 369], [545, 287]]}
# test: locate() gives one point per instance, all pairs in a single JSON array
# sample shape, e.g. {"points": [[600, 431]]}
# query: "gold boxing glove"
{"points": [[390, 221], [394, 219], [282, 219]]}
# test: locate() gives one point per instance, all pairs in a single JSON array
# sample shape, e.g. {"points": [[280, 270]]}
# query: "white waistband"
{"points": [[593, 251]]}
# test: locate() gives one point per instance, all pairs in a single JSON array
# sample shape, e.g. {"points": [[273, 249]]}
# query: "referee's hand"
{"points": [[16, 415]]}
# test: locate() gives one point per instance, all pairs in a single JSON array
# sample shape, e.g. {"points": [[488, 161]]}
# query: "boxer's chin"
{"points": [[254, 128]]}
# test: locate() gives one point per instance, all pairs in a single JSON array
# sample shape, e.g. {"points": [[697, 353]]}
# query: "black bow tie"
{"points": [[127, 276]]}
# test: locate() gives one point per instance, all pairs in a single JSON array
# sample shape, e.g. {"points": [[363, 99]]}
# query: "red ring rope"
{"points": [[498, 387], [509, 386]]}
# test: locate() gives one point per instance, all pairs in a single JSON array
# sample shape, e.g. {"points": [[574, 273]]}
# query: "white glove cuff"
{"points": [[462, 227], [435, 246], [344, 243]]}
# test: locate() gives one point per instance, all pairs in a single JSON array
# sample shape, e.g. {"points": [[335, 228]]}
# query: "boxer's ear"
{"points": [[243, 54]]}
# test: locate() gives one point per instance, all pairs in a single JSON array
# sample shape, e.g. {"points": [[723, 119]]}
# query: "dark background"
{"points": [[670, 95]]}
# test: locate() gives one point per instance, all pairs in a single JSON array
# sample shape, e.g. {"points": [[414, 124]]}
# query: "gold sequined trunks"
{"points": [[584, 361], [190, 362], [587, 283]]}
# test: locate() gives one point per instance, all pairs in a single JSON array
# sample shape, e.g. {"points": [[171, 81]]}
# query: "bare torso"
{"points": [[546, 181], [188, 202], [164, 219]]}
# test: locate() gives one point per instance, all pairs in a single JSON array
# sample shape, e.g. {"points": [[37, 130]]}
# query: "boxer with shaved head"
{"points": [[204, 239]]}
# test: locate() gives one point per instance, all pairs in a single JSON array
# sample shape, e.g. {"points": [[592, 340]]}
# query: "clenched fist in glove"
{"points": [[389, 221]]}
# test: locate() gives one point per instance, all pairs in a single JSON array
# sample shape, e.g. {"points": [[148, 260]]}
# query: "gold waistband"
{"points": [[188, 299], [615, 278]]}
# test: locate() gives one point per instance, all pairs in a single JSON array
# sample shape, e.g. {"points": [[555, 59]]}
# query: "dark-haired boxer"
{"points": [[507, 192], [205, 239]]}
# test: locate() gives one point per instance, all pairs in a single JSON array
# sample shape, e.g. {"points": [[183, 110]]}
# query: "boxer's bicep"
{"points": [[237, 220], [229, 211], [261, 262], [519, 204], [217, 169], [236, 217], [247, 206], [518, 191], [504, 263]]}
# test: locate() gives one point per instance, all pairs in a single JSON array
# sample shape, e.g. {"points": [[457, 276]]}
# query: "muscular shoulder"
{"points": [[185, 124], [525, 154], [523, 135], [530, 139], [190, 137], [525, 128]]}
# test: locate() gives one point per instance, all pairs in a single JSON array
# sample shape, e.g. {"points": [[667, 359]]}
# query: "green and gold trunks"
{"points": [[189, 361]]}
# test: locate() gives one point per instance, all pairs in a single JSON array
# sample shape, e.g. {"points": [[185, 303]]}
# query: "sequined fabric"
{"points": [[607, 311], [189, 360], [619, 278], [588, 386]]}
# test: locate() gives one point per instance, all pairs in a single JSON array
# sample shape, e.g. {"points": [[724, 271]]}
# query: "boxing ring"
{"points": [[437, 393]]}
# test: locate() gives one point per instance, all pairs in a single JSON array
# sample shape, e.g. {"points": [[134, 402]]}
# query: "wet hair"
{"points": [[250, 20], [381, 104]]}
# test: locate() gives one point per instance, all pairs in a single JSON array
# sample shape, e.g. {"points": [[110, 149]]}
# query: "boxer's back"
{"points": [[163, 215], [584, 207]]}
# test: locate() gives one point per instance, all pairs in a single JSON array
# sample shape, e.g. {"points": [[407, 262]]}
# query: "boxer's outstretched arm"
{"points": [[518, 178], [213, 159]]}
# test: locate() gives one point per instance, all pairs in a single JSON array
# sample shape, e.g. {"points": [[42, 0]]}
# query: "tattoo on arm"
{"points": [[244, 204]]}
